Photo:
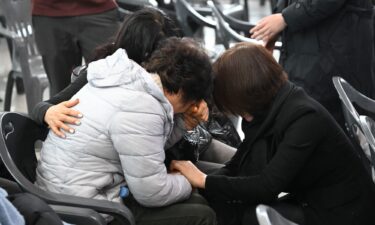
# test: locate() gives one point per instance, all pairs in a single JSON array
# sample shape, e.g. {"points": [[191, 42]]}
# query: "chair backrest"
{"points": [[226, 34], [268, 216], [237, 23], [25, 56], [355, 127], [17, 145], [186, 13], [17, 15]]}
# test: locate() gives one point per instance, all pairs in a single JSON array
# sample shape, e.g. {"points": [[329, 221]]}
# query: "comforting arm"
{"points": [[41, 108]]}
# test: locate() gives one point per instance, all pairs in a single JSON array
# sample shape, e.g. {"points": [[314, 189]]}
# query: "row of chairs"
{"points": [[18, 135], [228, 27]]}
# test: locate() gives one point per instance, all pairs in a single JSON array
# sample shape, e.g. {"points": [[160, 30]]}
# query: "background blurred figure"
{"points": [[321, 39], [67, 30]]}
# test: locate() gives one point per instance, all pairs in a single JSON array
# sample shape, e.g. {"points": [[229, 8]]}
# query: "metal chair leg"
{"points": [[8, 91], [19, 85]]}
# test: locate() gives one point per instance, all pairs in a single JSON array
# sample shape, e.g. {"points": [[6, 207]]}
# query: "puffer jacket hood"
{"points": [[118, 70]]}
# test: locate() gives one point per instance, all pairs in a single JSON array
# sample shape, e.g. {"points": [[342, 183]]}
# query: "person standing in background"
{"points": [[322, 39], [67, 30]]}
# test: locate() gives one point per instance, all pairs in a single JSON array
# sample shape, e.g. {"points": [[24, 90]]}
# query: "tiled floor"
{"points": [[19, 101]]}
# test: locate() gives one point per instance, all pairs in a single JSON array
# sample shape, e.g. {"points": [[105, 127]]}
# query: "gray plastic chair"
{"points": [[226, 34], [358, 126], [368, 126], [17, 15], [185, 13], [268, 216], [236, 22], [14, 74], [18, 135]]}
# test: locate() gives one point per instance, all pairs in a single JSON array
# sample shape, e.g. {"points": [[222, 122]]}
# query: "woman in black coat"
{"points": [[292, 145], [322, 39]]}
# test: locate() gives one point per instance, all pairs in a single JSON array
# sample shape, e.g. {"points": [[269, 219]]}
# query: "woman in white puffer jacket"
{"points": [[129, 116]]}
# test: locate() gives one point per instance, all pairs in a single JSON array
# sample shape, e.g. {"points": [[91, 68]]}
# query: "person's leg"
{"points": [[218, 152], [215, 156], [95, 30], [58, 49], [208, 167], [193, 211]]}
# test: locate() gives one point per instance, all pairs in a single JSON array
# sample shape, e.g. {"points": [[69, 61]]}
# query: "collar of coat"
{"points": [[289, 104]]}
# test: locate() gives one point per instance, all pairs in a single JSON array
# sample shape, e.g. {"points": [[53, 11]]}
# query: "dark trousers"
{"points": [[194, 211], [240, 214], [63, 41]]}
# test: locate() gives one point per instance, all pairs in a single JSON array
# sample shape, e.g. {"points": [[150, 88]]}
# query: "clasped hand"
{"points": [[195, 177]]}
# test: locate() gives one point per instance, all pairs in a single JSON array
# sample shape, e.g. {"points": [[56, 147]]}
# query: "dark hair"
{"points": [[140, 34], [182, 65], [247, 78]]}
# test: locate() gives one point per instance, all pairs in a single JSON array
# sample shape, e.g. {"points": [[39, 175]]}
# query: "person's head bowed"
{"points": [[140, 34], [247, 78], [184, 69]]}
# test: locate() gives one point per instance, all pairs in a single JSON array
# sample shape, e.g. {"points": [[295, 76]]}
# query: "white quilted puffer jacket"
{"points": [[125, 126]]}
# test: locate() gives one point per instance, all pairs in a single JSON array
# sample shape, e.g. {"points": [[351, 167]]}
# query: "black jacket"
{"points": [[297, 148], [326, 38]]}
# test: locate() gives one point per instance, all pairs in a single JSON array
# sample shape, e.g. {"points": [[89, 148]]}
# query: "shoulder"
{"points": [[139, 111], [302, 108]]}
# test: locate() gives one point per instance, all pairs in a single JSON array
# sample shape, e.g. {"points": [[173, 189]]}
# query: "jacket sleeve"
{"points": [[177, 133], [41, 108], [306, 13], [299, 142], [139, 141]]}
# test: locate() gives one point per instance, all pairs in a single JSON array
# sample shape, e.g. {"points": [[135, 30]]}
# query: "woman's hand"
{"points": [[196, 114], [57, 115], [190, 171], [268, 28]]}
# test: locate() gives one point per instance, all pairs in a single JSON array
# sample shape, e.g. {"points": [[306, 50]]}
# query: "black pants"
{"points": [[63, 41], [239, 214], [194, 211]]}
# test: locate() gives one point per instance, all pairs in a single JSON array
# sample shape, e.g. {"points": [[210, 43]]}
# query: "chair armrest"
{"points": [[8, 33], [119, 211], [78, 216]]}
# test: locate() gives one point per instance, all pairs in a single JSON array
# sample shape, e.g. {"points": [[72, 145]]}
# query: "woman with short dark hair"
{"points": [[292, 145]]}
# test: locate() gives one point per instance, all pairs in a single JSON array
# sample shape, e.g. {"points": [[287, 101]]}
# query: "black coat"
{"points": [[297, 148], [326, 38]]}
